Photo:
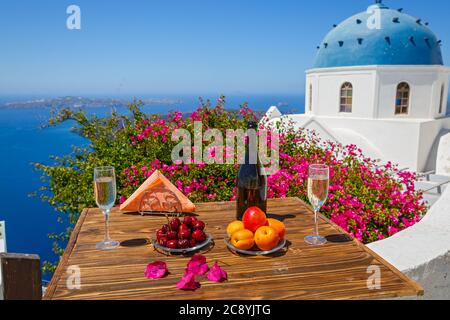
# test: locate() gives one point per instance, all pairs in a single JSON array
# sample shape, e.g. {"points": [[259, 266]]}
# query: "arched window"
{"points": [[402, 100], [441, 103], [346, 97], [310, 98]]}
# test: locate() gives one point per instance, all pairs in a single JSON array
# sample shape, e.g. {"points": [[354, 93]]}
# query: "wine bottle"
{"points": [[251, 183]]}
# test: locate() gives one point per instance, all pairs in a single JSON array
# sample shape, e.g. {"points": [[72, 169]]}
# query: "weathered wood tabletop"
{"points": [[338, 270]]}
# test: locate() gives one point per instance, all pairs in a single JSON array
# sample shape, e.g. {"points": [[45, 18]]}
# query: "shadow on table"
{"points": [[281, 217], [339, 238], [135, 243]]}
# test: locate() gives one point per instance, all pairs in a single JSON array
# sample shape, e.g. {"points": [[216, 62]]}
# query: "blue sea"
{"points": [[23, 142]]}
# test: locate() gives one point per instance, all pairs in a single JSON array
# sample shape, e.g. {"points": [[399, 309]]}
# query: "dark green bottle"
{"points": [[251, 183]]}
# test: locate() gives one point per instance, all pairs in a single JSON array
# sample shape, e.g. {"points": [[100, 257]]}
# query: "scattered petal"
{"points": [[156, 270], [188, 282], [197, 265], [217, 274]]}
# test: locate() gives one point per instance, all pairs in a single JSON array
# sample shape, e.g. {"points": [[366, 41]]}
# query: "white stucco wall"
{"points": [[422, 98], [327, 89], [375, 90], [430, 137], [410, 140], [443, 80], [412, 144], [443, 157]]}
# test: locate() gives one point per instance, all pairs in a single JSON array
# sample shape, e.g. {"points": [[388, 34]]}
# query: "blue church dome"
{"points": [[399, 40]]}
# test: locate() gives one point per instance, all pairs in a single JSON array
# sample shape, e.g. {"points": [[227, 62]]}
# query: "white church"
{"points": [[379, 81]]}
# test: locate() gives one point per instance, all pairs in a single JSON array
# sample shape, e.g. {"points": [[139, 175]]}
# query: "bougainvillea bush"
{"points": [[370, 201]]}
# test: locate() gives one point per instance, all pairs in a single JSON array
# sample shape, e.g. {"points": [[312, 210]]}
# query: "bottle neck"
{"points": [[251, 152]]}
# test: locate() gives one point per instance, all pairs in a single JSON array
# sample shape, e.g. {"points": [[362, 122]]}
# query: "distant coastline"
{"points": [[83, 102], [287, 104]]}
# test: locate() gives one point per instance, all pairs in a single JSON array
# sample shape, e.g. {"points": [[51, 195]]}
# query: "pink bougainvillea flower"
{"points": [[197, 265], [156, 270], [217, 274], [188, 282]]}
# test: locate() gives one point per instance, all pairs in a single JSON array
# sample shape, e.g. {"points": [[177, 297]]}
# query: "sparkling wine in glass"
{"points": [[318, 182], [105, 197]]}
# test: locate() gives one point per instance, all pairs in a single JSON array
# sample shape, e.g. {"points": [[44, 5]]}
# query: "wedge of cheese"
{"points": [[158, 194]]}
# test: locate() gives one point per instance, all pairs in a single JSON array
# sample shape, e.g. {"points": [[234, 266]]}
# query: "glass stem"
{"points": [[316, 224], [106, 213]]}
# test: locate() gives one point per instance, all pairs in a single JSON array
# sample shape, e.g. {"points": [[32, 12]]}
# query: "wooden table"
{"points": [[338, 270]]}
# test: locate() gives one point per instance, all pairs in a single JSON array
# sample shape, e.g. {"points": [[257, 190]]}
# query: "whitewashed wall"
{"points": [[425, 85], [327, 89], [430, 138], [412, 144], [409, 140], [443, 79], [443, 158], [375, 89]]}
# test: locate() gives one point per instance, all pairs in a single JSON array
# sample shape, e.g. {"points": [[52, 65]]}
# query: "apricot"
{"points": [[243, 239], [278, 226], [266, 238], [234, 227]]}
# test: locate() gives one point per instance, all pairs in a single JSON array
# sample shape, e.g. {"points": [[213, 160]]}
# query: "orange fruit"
{"points": [[243, 239], [234, 227], [266, 238], [278, 226]]}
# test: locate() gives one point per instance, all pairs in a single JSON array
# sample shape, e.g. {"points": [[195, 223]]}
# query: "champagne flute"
{"points": [[318, 182], [105, 197]]}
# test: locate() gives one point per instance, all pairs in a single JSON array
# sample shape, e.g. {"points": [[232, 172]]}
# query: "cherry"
{"points": [[184, 227], [172, 235], [183, 244], [200, 225], [175, 224], [163, 241], [199, 236], [172, 244], [193, 220], [192, 243], [187, 220], [184, 234], [159, 234], [176, 234]]}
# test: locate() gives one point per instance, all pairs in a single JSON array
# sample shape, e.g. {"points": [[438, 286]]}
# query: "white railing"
{"points": [[433, 181]]}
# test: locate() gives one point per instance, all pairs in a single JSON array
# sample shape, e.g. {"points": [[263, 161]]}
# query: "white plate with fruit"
{"points": [[182, 237], [256, 234]]}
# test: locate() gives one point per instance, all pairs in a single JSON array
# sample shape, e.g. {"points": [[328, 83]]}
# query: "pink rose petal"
{"points": [[217, 274], [188, 282], [197, 265], [156, 270]]}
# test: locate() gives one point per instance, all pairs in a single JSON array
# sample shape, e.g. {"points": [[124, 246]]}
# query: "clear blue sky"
{"points": [[175, 46]]}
